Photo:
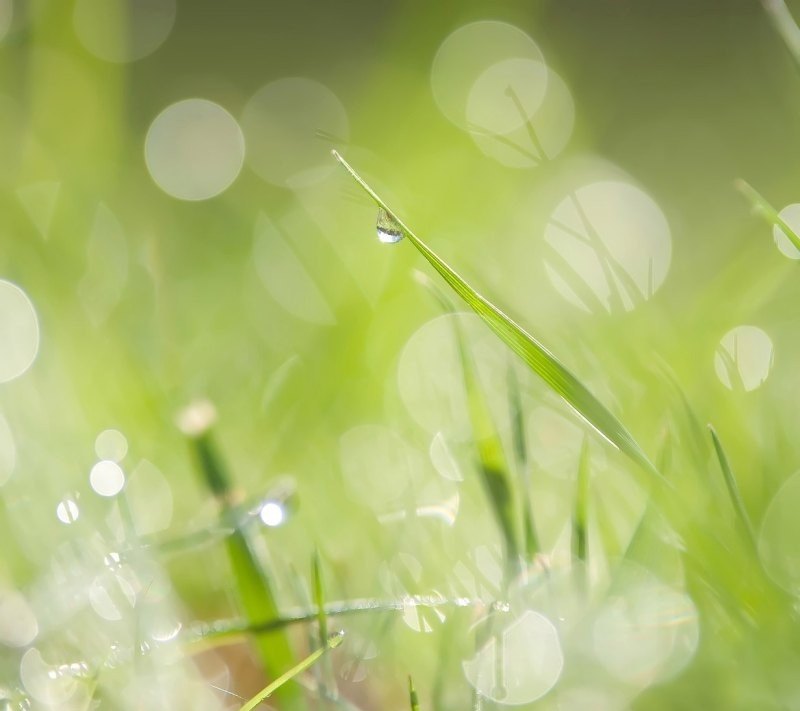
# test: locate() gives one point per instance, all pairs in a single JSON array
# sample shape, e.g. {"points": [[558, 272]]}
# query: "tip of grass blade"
{"points": [[412, 695]]}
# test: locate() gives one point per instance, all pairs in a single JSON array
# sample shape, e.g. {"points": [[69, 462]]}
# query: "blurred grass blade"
{"points": [[733, 490], [529, 535], [333, 642], [252, 583], [768, 213], [580, 522], [533, 353], [495, 473], [327, 679], [784, 23], [413, 699]]}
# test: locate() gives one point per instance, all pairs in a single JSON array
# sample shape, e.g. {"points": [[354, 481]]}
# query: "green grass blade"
{"points": [[327, 679], [785, 24], [529, 535], [413, 699], [495, 473], [333, 642], [530, 350], [768, 213], [252, 582], [580, 518], [733, 490]]}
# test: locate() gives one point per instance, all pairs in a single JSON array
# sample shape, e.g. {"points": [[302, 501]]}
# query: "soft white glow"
{"points": [[18, 625], [272, 513], [291, 125], [123, 30], [744, 358], [520, 663], [8, 451], [194, 149], [791, 216], [107, 478], [19, 332], [112, 445], [67, 511], [611, 247], [197, 418], [465, 57]]}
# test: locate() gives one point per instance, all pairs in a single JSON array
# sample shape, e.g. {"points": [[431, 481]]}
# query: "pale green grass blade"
{"points": [[733, 490], [529, 535], [333, 642], [768, 213], [413, 699], [494, 469], [251, 581], [785, 24], [530, 350], [327, 680]]}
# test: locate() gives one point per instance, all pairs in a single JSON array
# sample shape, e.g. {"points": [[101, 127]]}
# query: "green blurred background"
{"points": [[274, 299]]}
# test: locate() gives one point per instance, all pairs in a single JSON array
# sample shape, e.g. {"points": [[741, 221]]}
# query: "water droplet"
{"points": [[389, 230]]}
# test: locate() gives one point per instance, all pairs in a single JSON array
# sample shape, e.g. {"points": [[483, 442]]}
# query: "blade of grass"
{"points": [[333, 642], [768, 213], [327, 679], [784, 23], [733, 490], [580, 518], [529, 349], [252, 581], [530, 538], [492, 463], [413, 699]]}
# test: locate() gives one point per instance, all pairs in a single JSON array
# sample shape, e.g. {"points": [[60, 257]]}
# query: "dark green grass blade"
{"points": [[251, 580], [580, 518], [529, 535], [768, 213], [283, 679], [495, 473], [533, 353], [733, 490], [413, 699]]}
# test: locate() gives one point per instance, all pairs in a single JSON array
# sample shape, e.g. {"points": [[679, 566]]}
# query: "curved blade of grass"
{"points": [[495, 473], [733, 490], [531, 351], [270, 689], [768, 213], [252, 582], [413, 699]]}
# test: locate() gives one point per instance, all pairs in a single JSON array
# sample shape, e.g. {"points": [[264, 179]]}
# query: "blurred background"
{"points": [[175, 231]]}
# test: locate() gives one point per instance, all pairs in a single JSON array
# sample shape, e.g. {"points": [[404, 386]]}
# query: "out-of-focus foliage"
{"points": [[173, 230]]}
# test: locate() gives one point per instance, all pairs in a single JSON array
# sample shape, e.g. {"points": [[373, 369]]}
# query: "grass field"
{"points": [[399, 356]]}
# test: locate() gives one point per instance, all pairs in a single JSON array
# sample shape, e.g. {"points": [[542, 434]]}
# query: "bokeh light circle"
{"points": [[791, 216], [290, 125], [107, 478], [194, 149], [543, 135], [744, 357], [18, 624], [466, 56], [123, 30], [520, 663], [111, 444], [19, 332], [610, 247]]}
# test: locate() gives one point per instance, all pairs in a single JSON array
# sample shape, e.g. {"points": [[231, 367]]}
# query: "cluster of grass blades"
{"points": [[509, 496]]}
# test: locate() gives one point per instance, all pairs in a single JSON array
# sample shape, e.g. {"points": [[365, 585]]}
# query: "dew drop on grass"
{"points": [[389, 231]]}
